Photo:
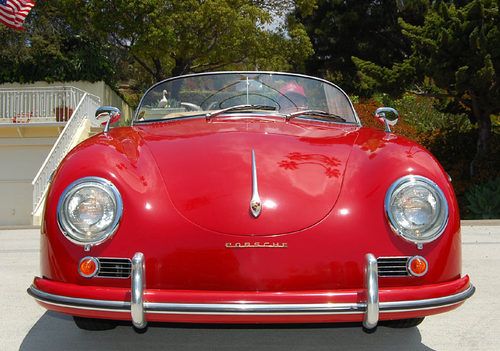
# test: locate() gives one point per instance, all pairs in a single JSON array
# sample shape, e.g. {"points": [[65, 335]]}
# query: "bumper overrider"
{"points": [[438, 299]]}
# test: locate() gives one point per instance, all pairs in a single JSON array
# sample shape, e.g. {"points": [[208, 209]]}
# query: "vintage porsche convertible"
{"points": [[249, 197]]}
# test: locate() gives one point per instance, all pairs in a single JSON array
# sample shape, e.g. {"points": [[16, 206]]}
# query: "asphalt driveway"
{"points": [[474, 326]]}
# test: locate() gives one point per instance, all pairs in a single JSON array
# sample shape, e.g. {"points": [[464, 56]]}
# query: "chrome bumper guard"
{"points": [[137, 293], [137, 306], [371, 285]]}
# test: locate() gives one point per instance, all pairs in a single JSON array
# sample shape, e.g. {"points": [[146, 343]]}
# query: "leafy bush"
{"points": [[483, 200], [354, 99], [421, 113], [384, 99]]}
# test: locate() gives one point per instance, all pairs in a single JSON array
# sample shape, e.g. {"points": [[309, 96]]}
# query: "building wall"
{"points": [[20, 160]]}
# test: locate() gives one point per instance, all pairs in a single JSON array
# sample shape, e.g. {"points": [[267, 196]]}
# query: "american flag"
{"points": [[14, 12]]}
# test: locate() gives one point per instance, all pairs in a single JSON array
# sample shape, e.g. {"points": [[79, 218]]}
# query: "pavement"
{"points": [[474, 326]]}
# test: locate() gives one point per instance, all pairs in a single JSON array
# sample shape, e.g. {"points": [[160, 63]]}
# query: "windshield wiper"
{"points": [[239, 108], [320, 113]]}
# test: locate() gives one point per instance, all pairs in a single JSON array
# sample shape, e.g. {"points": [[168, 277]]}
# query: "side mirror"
{"points": [[388, 116], [108, 115]]}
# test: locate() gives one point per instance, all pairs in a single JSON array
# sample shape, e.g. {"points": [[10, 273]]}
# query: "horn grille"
{"points": [[114, 268], [393, 266]]}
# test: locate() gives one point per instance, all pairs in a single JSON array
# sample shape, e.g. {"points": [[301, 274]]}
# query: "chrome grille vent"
{"points": [[392, 266], [114, 267]]}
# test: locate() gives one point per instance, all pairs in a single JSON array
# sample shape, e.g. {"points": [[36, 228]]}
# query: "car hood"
{"points": [[207, 170]]}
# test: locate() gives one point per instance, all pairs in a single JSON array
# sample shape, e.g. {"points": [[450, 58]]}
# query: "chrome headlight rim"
{"points": [[416, 179], [78, 184]]}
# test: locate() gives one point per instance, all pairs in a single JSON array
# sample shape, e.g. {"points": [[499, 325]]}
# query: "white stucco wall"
{"points": [[20, 159]]}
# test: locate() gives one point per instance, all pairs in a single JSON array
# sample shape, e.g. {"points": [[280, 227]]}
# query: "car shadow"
{"points": [[58, 332]]}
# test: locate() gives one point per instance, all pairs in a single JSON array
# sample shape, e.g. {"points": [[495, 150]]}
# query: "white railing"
{"points": [[83, 112], [51, 104]]}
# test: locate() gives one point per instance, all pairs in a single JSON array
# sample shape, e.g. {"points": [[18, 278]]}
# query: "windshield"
{"points": [[262, 92]]}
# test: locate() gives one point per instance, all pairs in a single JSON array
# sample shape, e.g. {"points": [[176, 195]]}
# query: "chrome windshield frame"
{"points": [[356, 117]]}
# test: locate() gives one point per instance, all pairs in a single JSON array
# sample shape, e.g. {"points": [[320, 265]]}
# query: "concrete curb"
{"points": [[481, 222], [14, 227]]}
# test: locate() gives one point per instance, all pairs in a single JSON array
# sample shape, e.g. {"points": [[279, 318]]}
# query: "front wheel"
{"points": [[94, 324], [403, 323]]}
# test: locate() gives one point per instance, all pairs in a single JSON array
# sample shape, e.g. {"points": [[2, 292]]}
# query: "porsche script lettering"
{"points": [[257, 245]]}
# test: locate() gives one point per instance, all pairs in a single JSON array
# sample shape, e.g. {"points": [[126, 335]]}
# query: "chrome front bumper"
{"points": [[137, 307]]}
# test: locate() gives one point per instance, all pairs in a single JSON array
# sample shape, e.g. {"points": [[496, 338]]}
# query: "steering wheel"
{"points": [[225, 103], [190, 107]]}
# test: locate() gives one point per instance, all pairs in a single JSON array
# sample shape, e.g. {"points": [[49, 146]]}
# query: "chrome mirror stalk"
{"points": [[388, 115], [107, 114]]}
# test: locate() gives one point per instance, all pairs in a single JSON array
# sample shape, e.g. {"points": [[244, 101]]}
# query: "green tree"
{"points": [[455, 57], [165, 38], [149, 40], [341, 29], [50, 49]]}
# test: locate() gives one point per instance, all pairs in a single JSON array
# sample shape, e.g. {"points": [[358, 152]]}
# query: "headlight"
{"points": [[89, 210], [417, 209]]}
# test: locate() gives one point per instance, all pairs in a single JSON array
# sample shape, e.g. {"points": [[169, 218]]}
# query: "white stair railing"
{"points": [[69, 137], [50, 104]]}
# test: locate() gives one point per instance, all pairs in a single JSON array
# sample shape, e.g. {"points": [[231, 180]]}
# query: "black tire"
{"points": [[370, 331], [94, 324], [403, 323]]}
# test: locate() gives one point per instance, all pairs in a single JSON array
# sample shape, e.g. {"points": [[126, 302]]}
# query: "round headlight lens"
{"points": [[417, 209], [89, 210]]}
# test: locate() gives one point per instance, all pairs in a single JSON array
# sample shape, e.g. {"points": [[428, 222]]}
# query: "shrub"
{"points": [[384, 99], [421, 113], [483, 200]]}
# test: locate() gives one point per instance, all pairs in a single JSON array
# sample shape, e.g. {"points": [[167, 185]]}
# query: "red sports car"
{"points": [[249, 197]]}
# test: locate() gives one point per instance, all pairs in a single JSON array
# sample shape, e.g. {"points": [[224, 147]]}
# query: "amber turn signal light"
{"points": [[418, 266], [88, 267]]}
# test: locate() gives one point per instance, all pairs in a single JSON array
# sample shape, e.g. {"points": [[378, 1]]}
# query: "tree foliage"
{"points": [[455, 56], [149, 40], [342, 29], [164, 38], [50, 49]]}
